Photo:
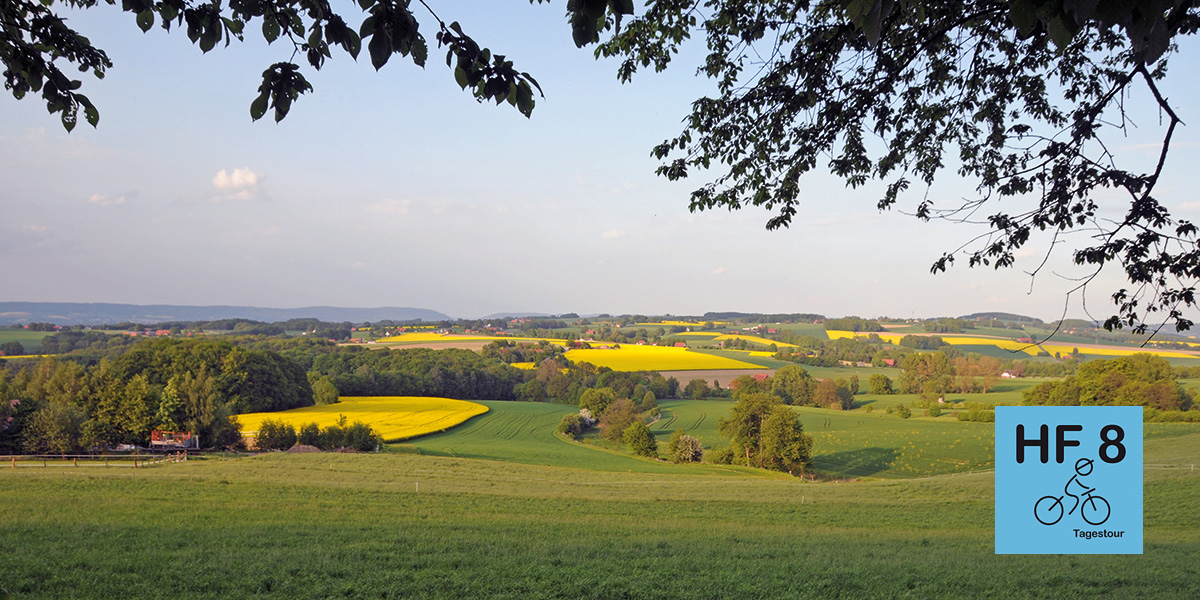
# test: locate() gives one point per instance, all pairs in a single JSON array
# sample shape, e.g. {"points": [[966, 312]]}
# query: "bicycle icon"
{"points": [[1048, 510]]}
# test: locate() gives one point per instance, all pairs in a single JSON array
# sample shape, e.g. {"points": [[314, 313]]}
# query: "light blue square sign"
{"points": [[1068, 480]]}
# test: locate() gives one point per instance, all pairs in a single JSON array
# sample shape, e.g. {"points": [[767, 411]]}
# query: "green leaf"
{"points": [[145, 20], [270, 28], [258, 108], [209, 40], [460, 76], [89, 111], [380, 49], [622, 7], [420, 51]]}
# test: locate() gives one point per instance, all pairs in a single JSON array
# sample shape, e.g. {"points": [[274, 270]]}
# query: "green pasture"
{"points": [[816, 331], [31, 340], [391, 526], [524, 432], [842, 372], [855, 444], [765, 362]]}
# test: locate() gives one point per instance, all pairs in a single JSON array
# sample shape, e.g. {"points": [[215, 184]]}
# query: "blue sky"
{"points": [[397, 189]]}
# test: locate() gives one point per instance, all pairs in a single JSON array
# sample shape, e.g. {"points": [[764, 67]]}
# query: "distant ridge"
{"points": [[1000, 316], [78, 313], [516, 315]]}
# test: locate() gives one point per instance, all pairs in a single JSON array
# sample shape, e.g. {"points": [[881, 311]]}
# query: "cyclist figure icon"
{"points": [[1048, 510]]}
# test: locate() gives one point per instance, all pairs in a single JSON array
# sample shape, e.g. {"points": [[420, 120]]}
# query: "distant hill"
{"points": [[76, 313], [1000, 316]]}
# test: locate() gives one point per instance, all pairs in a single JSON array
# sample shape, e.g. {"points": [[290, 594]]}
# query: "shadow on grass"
{"points": [[856, 463]]}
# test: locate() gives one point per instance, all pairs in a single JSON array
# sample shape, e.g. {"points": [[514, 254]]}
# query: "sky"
{"points": [[396, 188]]}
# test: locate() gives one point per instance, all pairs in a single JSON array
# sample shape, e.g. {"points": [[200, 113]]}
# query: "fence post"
{"points": [[43, 462], [14, 462], [75, 461]]}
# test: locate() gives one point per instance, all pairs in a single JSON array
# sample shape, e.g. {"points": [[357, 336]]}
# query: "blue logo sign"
{"points": [[1068, 480]]}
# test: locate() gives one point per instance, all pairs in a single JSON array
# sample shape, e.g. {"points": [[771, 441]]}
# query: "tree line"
{"points": [[56, 405]]}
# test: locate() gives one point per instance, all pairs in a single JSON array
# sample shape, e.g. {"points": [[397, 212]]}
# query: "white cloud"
{"points": [[241, 184], [719, 271], [613, 234], [106, 200]]}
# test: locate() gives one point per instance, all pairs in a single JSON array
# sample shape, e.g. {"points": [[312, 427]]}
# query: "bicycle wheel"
{"points": [[1048, 510], [1095, 510]]}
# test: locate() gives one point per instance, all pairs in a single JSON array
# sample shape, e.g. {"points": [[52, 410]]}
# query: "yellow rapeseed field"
{"points": [[631, 357], [1006, 344], [394, 417]]}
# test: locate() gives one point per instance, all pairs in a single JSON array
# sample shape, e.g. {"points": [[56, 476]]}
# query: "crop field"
{"points": [[709, 336], [407, 526], [394, 417], [31, 340], [631, 357], [856, 444], [765, 362], [524, 432], [1030, 349]]}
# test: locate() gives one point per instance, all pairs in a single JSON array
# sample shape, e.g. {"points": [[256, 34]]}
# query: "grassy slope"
{"points": [[524, 432], [845, 444], [320, 526]]}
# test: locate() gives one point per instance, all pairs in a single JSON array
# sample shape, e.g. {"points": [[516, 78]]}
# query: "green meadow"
{"points": [[30, 340], [503, 507], [397, 525]]}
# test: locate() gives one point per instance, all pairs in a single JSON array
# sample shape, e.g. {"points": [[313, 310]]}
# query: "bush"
{"points": [[275, 435], [688, 449], [640, 440], [673, 443], [572, 425], [722, 456], [310, 435], [903, 411], [359, 436], [977, 415]]}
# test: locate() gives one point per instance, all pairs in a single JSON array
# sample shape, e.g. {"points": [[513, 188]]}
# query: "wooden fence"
{"points": [[91, 460]]}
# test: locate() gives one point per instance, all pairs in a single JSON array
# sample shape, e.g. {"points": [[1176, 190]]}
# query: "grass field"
{"points": [[760, 359], [393, 417], [631, 357], [407, 526], [524, 432], [850, 444], [30, 340], [715, 338], [856, 444]]}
